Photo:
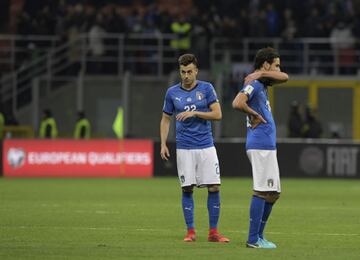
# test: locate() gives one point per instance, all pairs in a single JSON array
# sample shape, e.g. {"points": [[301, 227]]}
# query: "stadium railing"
{"points": [[17, 50], [151, 54], [302, 56]]}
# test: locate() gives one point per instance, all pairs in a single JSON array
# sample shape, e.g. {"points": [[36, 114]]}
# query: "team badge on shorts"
{"points": [[270, 183], [182, 178]]}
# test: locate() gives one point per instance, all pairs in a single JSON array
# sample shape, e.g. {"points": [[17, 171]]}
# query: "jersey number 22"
{"points": [[190, 108]]}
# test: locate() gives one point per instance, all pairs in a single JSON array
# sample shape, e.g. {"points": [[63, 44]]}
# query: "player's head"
{"points": [[81, 114], [267, 59], [47, 113], [188, 69]]}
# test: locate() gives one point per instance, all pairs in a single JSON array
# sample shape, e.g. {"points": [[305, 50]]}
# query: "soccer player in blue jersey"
{"points": [[261, 141], [194, 103]]}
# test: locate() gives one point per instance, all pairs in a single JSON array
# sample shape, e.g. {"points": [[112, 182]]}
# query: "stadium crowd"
{"points": [[212, 18], [196, 22]]}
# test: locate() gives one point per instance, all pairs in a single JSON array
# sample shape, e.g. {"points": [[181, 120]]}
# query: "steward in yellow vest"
{"points": [[82, 127], [182, 29], [48, 128]]}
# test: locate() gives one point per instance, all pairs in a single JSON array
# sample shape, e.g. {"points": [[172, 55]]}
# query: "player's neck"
{"points": [[189, 86]]}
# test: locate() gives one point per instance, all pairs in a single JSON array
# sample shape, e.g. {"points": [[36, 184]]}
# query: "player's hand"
{"points": [[252, 76], [256, 119], [185, 115], [164, 153]]}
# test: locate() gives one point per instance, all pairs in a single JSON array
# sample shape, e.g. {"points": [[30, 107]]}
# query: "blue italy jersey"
{"points": [[262, 137], [194, 132]]}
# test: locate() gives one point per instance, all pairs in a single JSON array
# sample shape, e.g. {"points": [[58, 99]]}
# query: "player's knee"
{"points": [[268, 196], [213, 188], [187, 189], [273, 197]]}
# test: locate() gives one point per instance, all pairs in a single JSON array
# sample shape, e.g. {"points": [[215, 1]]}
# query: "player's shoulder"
{"points": [[254, 84], [174, 88], [250, 87], [204, 84]]}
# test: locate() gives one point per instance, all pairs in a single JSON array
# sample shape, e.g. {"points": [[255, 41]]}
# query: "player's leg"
{"points": [[270, 199], [188, 210], [256, 211], [265, 179], [213, 205], [273, 193], [209, 175], [186, 172], [267, 187]]}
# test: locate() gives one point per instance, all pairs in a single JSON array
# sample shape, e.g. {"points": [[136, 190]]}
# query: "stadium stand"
{"points": [[61, 44]]}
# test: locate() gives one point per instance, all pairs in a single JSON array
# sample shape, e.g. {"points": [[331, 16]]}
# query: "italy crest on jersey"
{"points": [[199, 95]]}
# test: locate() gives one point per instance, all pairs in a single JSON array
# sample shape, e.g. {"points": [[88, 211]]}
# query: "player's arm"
{"points": [[240, 103], [214, 113], [164, 132], [276, 77]]}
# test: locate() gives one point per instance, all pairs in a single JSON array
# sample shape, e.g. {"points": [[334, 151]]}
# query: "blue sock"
{"points": [[267, 210], [213, 205], [188, 208], [256, 213]]}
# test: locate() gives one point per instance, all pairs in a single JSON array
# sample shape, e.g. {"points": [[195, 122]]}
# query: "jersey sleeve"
{"points": [[168, 107], [250, 89], [211, 95]]}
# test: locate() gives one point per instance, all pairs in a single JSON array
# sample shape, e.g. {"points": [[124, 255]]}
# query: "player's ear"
{"points": [[266, 65]]}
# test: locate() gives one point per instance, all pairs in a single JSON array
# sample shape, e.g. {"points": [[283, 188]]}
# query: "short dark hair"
{"points": [[47, 112], [265, 54], [81, 114], [187, 59]]}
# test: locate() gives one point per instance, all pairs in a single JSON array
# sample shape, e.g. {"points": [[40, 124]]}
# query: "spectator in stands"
{"points": [[82, 127], [46, 22], [272, 21], [290, 28], [250, 18], [200, 37], [313, 25], [343, 40], [96, 44], [295, 121], [48, 128], [256, 24]]}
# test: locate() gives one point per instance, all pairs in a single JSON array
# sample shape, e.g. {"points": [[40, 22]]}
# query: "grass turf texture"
{"points": [[142, 218]]}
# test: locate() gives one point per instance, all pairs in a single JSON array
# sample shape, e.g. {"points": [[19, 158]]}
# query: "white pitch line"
{"points": [[166, 230]]}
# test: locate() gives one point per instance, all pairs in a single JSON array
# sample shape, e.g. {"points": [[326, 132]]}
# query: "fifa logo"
{"points": [[16, 157]]}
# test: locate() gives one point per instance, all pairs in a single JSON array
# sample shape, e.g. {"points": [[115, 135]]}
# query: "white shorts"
{"points": [[198, 167], [265, 170]]}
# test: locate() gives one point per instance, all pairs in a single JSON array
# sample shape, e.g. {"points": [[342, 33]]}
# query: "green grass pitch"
{"points": [[142, 219]]}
